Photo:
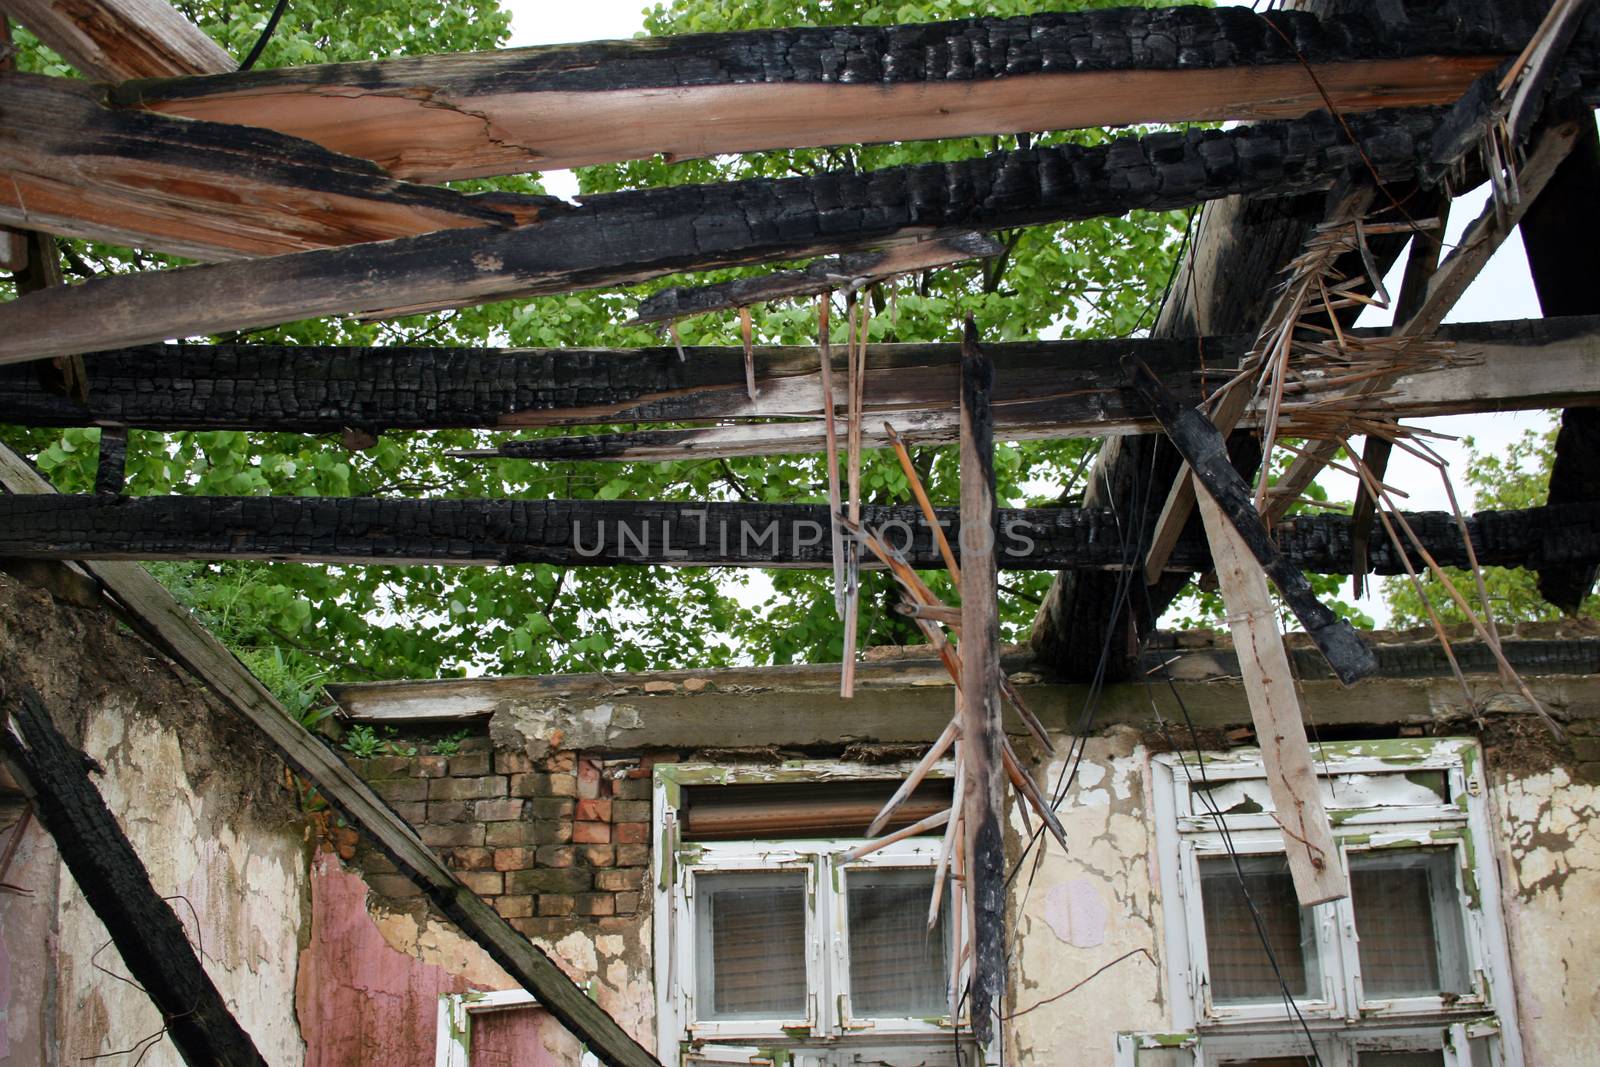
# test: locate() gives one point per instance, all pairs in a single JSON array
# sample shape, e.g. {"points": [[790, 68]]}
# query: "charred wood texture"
{"points": [[207, 190], [627, 237], [149, 936], [609, 533], [434, 118], [1561, 233], [117, 39]]}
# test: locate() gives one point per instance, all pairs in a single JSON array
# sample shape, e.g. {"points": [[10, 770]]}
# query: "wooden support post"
{"points": [[149, 936], [984, 801], [152, 611], [1275, 710], [1204, 449]]}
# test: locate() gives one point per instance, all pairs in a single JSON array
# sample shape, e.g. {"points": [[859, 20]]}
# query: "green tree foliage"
{"points": [[303, 624], [1517, 478]]}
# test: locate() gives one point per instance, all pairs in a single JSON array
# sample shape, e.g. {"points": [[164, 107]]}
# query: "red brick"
{"points": [[483, 883], [467, 788], [512, 763], [411, 813], [627, 903], [556, 904], [431, 767], [598, 810], [591, 833], [449, 811], [509, 834], [513, 859], [550, 808], [514, 907], [614, 924], [599, 855], [620, 880], [555, 856], [633, 855], [451, 835], [501, 809], [549, 880], [632, 789], [631, 833], [472, 859], [469, 765], [596, 904], [530, 784], [588, 779], [561, 762], [630, 810]]}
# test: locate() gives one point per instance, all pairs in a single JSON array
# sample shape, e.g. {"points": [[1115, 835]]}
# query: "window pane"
{"points": [[1401, 1059], [897, 967], [1241, 971], [751, 945], [1408, 917]]}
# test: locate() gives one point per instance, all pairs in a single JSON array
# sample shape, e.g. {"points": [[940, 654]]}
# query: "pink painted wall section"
{"points": [[27, 947], [364, 1003]]}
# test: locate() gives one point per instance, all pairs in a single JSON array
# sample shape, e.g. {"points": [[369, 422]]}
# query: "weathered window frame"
{"points": [[829, 1024], [1388, 818], [453, 1043]]}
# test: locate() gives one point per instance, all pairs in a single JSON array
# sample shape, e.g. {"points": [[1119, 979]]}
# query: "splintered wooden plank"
{"points": [[150, 938], [983, 738], [626, 237], [1275, 710], [435, 118], [1206, 451], [1042, 388], [204, 189], [111, 40], [152, 611], [600, 533]]}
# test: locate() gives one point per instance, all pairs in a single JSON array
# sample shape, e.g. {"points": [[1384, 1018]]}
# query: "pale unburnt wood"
{"points": [[116, 39], [1275, 709]]}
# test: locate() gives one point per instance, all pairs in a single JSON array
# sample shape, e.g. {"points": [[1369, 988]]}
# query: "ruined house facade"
{"points": [[594, 813]]}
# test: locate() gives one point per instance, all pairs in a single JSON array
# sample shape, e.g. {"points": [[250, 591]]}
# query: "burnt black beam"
{"points": [[1205, 449], [620, 532], [1561, 233], [149, 936]]}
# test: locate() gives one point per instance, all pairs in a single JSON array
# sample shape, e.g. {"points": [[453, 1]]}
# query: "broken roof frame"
{"points": [[440, 249]]}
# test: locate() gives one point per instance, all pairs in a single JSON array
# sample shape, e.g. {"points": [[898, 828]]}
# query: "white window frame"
{"points": [[829, 1027], [1391, 819], [453, 1043]]}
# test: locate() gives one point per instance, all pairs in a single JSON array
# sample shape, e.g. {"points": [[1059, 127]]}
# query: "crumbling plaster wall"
{"points": [[203, 803]]}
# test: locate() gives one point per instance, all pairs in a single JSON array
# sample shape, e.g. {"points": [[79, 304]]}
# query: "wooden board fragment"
{"points": [[149, 936], [111, 40], [1275, 709], [152, 611]]}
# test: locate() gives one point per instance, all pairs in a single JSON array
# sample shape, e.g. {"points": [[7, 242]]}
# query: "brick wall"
{"points": [[554, 844]]}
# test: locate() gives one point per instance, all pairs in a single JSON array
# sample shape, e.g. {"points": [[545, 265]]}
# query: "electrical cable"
{"points": [[266, 35]]}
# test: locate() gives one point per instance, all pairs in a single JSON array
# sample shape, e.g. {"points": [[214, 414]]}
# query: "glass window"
{"points": [[897, 966], [1408, 920], [751, 945], [1402, 1059], [1241, 969]]}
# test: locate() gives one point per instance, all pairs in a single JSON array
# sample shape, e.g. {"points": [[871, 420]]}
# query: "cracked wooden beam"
{"points": [[150, 938], [622, 238], [1042, 388], [821, 276], [625, 533], [112, 40], [206, 190], [436, 118]]}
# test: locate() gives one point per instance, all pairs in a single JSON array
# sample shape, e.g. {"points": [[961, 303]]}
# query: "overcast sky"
{"points": [[1502, 291]]}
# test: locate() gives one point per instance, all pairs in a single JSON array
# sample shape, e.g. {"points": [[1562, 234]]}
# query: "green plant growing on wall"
{"points": [[450, 744]]}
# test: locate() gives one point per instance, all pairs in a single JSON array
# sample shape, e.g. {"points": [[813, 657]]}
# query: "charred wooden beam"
{"points": [[824, 275], [206, 190], [1042, 388], [1206, 451], [151, 611], [1561, 233], [435, 118], [620, 238], [982, 806], [112, 40], [620, 532], [149, 936]]}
